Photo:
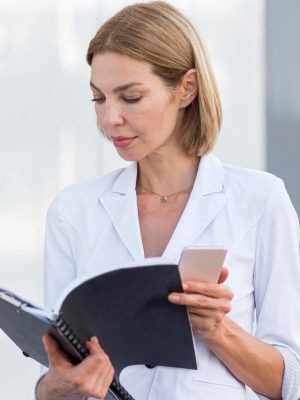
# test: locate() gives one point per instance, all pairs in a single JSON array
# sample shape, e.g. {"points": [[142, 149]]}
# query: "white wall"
{"points": [[48, 129]]}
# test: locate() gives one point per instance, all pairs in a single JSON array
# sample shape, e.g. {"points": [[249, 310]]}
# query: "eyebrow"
{"points": [[118, 88]]}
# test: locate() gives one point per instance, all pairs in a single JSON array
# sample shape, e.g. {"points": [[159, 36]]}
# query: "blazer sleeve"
{"points": [[277, 284], [60, 249], [60, 252]]}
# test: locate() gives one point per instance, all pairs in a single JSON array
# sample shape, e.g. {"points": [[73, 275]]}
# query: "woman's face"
{"points": [[134, 108]]}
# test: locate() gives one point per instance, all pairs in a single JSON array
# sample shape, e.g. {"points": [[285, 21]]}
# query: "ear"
{"points": [[188, 87]]}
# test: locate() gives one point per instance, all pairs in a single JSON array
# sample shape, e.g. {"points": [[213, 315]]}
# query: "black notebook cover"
{"points": [[127, 309]]}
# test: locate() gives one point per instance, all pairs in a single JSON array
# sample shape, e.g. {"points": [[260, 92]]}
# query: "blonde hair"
{"points": [[160, 35]]}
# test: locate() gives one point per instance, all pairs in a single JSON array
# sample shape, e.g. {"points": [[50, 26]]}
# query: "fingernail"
{"points": [[95, 339], [185, 286], [174, 298], [44, 342]]}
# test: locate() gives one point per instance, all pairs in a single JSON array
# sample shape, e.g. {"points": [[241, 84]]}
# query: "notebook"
{"points": [[126, 308]]}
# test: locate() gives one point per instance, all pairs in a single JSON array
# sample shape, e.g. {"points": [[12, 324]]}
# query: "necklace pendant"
{"points": [[163, 199]]}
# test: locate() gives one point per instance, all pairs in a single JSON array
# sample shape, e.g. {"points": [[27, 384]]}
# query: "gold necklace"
{"points": [[164, 198]]}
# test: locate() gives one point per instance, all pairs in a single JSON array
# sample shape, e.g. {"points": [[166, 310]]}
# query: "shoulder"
{"points": [[254, 192], [248, 179], [251, 184]]}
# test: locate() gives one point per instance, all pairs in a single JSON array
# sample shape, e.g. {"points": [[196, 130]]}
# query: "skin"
{"points": [[151, 115], [64, 381], [150, 111]]}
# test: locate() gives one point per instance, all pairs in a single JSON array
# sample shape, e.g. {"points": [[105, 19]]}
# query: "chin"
{"points": [[128, 156]]}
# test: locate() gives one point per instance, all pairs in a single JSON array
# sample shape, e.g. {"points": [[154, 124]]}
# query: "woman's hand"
{"points": [[207, 304], [65, 381]]}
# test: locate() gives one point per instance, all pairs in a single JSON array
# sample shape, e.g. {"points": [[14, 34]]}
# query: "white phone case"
{"points": [[201, 263]]}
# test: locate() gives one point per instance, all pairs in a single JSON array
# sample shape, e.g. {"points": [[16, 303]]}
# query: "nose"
{"points": [[109, 115]]}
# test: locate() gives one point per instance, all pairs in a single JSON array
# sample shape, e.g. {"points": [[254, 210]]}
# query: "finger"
{"points": [[97, 378], [104, 382], [98, 368], [223, 275], [213, 290], [93, 345], [55, 354], [201, 313], [209, 310], [95, 348], [97, 358], [197, 300], [94, 383]]}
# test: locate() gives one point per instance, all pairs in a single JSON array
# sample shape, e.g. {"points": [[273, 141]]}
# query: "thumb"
{"points": [[94, 346], [94, 349], [223, 275], [55, 355]]}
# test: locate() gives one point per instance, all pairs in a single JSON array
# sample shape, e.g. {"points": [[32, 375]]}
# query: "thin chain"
{"points": [[164, 198]]}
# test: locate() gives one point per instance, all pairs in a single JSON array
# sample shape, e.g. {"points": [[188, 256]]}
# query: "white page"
{"points": [[24, 305]]}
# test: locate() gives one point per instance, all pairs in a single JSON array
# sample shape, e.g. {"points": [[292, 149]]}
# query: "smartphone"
{"points": [[201, 263]]}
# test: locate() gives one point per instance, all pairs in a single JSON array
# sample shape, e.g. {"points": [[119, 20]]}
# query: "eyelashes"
{"points": [[101, 100], [97, 100]]}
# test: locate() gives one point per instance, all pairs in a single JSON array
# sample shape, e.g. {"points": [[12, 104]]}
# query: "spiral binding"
{"points": [[116, 389]]}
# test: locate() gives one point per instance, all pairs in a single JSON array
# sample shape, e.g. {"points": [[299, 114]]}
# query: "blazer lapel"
{"points": [[206, 201], [121, 206]]}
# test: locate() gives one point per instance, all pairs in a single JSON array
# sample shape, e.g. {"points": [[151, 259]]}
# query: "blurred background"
{"points": [[49, 137]]}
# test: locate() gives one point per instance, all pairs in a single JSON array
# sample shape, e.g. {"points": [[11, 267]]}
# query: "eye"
{"points": [[131, 99], [98, 99]]}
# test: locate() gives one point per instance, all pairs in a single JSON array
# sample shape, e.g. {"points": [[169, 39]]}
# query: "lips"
{"points": [[122, 142]]}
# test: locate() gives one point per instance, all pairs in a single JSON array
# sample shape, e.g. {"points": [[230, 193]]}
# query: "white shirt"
{"points": [[94, 226]]}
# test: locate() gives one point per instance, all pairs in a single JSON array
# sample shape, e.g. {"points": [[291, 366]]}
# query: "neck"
{"points": [[167, 174]]}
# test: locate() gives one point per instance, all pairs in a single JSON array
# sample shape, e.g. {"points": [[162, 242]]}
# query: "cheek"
{"points": [[159, 117], [99, 113]]}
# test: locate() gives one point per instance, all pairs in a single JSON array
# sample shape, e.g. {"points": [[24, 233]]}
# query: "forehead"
{"points": [[112, 69]]}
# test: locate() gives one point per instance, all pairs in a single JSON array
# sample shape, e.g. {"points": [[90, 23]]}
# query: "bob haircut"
{"points": [[160, 35]]}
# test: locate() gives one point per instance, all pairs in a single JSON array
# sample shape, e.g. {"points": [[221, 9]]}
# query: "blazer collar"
{"points": [[120, 204], [206, 201], [209, 178], [126, 181]]}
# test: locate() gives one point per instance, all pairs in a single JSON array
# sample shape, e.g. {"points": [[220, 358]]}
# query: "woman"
{"points": [[157, 101]]}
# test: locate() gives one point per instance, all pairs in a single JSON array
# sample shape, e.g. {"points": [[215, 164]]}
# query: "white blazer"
{"points": [[94, 226]]}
